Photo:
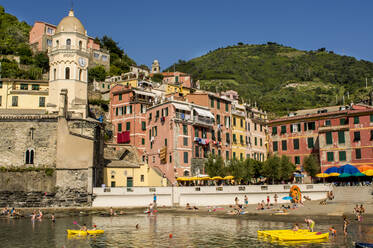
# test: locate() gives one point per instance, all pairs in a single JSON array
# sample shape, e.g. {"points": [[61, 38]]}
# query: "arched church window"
{"points": [[80, 45], [67, 73], [80, 74], [29, 156], [186, 173], [68, 43], [54, 74]]}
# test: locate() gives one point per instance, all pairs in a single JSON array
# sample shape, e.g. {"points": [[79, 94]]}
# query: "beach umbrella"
{"points": [[228, 177], [358, 174], [217, 178], [322, 175], [345, 175], [347, 168], [331, 170], [368, 173], [335, 174], [365, 168], [287, 198]]}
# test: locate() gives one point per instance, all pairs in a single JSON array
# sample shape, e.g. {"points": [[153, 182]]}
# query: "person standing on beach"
{"points": [[345, 224], [155, 200], [268, 201], [236, 201], [246, 201], [276, 197]]}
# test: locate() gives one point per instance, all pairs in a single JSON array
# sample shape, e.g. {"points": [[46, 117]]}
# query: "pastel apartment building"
{"points": [[23, 94], [128, 115], [220, 107], [40, 39], [177, 131], [337, 135]]}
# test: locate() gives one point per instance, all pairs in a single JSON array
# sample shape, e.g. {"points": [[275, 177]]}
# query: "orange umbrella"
{"points": [[365, 168]]}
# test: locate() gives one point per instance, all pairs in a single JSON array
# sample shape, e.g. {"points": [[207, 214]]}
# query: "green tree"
{"points": [[287, 168], [42, 61], [271, 168], [214, 166], [236, 169], [157, 78], [97, 73], [248, 170], [311, 165]]}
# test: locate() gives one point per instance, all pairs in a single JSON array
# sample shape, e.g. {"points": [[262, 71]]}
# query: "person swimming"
{"points": [[295, 227], [83, 228], [333, 231]]}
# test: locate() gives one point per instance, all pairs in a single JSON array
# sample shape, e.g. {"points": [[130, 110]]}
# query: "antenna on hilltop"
{"points": [[72, 4]]}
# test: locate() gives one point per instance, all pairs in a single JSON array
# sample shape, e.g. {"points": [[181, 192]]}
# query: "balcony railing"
{"points": [[203, 120], [238, 112], [181, 116]]}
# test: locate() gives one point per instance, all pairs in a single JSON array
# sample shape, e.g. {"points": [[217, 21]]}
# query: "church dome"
{"points": [[70, 24]]}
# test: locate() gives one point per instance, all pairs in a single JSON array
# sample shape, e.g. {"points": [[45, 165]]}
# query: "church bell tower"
{"points": [[68, 61]]}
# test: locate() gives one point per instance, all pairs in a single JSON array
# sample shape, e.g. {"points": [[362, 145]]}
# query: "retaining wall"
{"points": [[200, 196]]}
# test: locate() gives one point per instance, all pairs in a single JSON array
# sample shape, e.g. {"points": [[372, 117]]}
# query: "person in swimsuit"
{"points": [[345, 224]]}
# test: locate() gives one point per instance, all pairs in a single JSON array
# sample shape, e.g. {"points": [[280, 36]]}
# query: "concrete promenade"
{"points": [[201, 195]]}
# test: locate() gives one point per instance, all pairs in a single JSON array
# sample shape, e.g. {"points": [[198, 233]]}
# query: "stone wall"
{"points": [[71, 149], [19, 134]]}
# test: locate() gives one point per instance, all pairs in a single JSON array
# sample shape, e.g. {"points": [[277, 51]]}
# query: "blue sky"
{"points": [[171, 30]]}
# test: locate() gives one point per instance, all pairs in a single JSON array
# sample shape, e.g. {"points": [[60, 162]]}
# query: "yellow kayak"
{"points": [[81, 233], [304, 236], [277, 232]]}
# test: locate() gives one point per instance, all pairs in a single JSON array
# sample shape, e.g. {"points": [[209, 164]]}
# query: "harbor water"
{"points": [[164, 230]]}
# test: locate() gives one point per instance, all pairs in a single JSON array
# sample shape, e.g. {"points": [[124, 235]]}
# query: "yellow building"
{"points": [[125, 169], [23, 94], [171, 88], [135, 176], [239, 146]]}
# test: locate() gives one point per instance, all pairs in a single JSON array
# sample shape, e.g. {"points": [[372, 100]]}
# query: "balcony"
{"points": [[238, 112], [333, 128], [203, 120], [183, 117]]}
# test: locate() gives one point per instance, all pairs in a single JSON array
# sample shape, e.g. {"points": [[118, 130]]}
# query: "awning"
{"points": [[181, 106], [205, 113], [139, 92]]}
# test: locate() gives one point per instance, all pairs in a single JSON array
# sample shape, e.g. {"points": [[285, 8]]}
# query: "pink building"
{"points": [[177, 132], [40, 39], [220, 108], [337, 135], [177, 78], [127, 114]]}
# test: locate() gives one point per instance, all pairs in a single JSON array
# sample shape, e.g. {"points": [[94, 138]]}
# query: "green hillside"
{"points": [[14, 36], [280, 78]]}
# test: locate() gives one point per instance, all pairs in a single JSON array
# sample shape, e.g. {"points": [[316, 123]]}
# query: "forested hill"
{"points": [[14, 36], [282, 79]]}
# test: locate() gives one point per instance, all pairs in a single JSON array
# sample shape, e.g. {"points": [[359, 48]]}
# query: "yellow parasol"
{"points": [[322, 175], [365, 168], [228, 177], [217, 178], [368, 173], [334, 174]]}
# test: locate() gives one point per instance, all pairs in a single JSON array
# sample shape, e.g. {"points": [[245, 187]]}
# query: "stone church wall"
{"points": [[20, 134], [62, 182]]}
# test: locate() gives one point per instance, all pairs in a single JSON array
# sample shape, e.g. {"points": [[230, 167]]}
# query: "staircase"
{"points": [[353, 194]]}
